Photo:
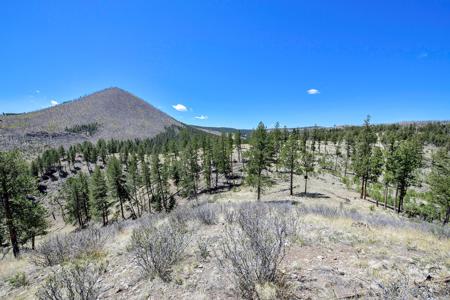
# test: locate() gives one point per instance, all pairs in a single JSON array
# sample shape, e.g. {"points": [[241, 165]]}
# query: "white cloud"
{"points": [[313, 91], [202, 117], [54, 102], [38, 91], [180, 107]]}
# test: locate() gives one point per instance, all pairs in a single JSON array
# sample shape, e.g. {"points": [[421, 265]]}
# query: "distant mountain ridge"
{"points": [[117, 114]]}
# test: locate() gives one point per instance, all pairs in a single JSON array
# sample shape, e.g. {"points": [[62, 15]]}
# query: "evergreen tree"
{"points": [[133, 183], [31, 219], [147, 182], [238, 144], [77, 198], [207, 164], [376, 166], [290, 159], [307, 166], [229, 150], [116, 182], [160, 180], [259, 160], [407, 159], [361, 161], [439, 181], [276, 140], [98, 196], [16, 211], [190, 171]]}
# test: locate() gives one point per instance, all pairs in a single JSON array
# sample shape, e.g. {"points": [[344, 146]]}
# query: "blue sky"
{"points": [[236, 62]]}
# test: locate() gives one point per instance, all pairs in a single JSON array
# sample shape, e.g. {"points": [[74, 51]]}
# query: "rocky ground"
{"points": [[342, 247]]}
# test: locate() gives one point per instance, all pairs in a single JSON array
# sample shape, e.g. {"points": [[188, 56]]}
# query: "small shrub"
{"points": [[18, 280], [74, 281], [206, 214], [157, 249], [66, 247], [203, 249], [230, 215], [253, 250]]}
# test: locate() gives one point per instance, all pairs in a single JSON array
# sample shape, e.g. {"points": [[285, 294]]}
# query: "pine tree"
{"points": [[376, 166], [190, 171], [289, 158], [98, 196], [31, 219], [77, 198], [307, 166], [133, 183], [439, 181], [16, 184], [116, 182], [238, 144], [207, 164], [407, 159], [259, 160], [147, 181], [160, 180], [229, 150], [361, 161], [221, 158], [276, 140]]}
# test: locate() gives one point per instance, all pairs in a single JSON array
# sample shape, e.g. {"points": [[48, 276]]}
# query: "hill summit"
{"points": [[110, 113]]}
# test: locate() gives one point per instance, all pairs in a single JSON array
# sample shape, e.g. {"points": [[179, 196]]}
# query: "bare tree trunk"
{"points": [[306, 183], [362, 187], [447, 216], [396, 197], [386, 192], [291, 185]]}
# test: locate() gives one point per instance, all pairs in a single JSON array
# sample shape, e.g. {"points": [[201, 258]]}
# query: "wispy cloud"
{"points": [[37, 91], [313, 92], [202, 117], [54, 102], [423, 55], [180, 107]]}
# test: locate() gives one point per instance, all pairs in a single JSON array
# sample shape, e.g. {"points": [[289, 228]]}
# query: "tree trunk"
{"points": [[33, 242], [121, 207], [362, 187], [447, 216], [10, 225], [396, 197], [400, 199], [217, 178], [292, 178], [386, 192], [306, 183], [365, 189]]}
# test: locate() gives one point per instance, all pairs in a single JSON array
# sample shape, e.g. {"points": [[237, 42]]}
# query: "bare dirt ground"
{"points": [[344, 248]]}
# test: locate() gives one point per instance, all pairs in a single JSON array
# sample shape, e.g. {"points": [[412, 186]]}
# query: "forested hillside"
{"points": [[279, 191]]}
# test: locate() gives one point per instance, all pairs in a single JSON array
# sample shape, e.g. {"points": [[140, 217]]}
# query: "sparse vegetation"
{"points": [[156, 249], [77, 280], [62, 248], [253, 250]]}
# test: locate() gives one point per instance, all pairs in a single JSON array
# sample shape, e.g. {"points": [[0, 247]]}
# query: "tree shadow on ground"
{"points": [[312, 195]]}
